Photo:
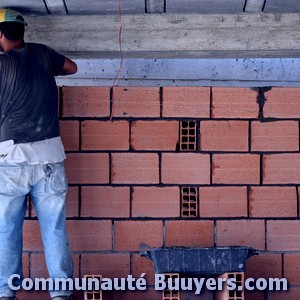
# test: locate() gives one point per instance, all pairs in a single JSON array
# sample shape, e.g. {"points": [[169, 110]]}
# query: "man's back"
{"points": [[28, 93]]}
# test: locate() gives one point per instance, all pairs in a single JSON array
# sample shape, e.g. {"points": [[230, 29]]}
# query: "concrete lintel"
{"points": [[248, 72]]}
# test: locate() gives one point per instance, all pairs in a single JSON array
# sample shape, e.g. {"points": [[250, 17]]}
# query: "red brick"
{"points": [[143, 265], [292, 268], [136, 102], [185, 168], [282, 103], [86, 101], [290, 294], [149, 294], [264, 266], [32, 240], [234, 103], [87, 167], [107, 265], [283, 235], [90, 235], [98, 135], [130, 234], [224, 135], [33, 295], [223, 202], [241, 233], [190, 295], [273, 202], [156, 202], [281, 168], [72, 202], [254, 295], [25, 265], [154, 135], [135, 168], [236, 169], [191, 102], [105, 202], [38, 268], [275, 136], [190, 233], [69, 131]]}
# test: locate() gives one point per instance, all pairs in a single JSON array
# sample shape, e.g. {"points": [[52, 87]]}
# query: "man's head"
{"points": [[12, 24]]}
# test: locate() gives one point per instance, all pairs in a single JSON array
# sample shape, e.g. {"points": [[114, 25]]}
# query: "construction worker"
{"points": [[31, 152]]}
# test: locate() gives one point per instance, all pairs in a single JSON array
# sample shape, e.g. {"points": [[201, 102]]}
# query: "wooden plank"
{"points": [[26, 7], [204, 6], [282, 6], [80, 7], [155, 6], [56, 7], [168, 32], [254, 5]]}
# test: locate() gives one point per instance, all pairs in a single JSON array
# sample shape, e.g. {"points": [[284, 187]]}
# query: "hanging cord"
{"points": [[121, 60]]}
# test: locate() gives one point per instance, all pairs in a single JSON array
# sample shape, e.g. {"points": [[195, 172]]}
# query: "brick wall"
{"points": [[193, 166]]}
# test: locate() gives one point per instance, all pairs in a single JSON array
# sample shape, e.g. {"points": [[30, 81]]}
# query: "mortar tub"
{"points": [[201, 261]]}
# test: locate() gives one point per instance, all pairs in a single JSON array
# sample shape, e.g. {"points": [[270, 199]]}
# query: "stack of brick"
{"points": [[178, 166]]}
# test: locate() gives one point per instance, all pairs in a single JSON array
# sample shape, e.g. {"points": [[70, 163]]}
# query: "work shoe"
{"points": [[71, 297]]}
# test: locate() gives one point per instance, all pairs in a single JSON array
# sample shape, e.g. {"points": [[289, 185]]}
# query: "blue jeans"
{"points": [[47, 185]]}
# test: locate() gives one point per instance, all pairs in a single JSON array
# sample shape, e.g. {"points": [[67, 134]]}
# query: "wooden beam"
{"points": [[166, 33], [155, 6], [56, 7]]}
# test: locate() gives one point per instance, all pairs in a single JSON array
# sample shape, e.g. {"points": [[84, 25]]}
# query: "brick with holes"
{"points": [[188, 136], [170, 293], [95, 293], [189, 202], [238, 293]]}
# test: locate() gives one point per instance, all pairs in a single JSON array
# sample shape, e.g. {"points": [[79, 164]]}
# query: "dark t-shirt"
{"points": [[28, 93]]}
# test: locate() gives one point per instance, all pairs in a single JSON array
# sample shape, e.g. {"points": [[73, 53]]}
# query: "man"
{"points": [[31, 152]]}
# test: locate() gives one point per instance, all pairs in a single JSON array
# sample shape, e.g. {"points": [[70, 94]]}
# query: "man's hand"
{"points": [[69, 67]]}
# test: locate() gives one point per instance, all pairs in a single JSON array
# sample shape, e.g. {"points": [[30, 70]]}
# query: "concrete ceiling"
{"points": [[78, 7], [171, 42]]}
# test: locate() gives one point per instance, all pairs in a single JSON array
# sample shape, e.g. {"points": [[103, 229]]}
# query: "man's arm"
{"points": [[69, 67]]}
